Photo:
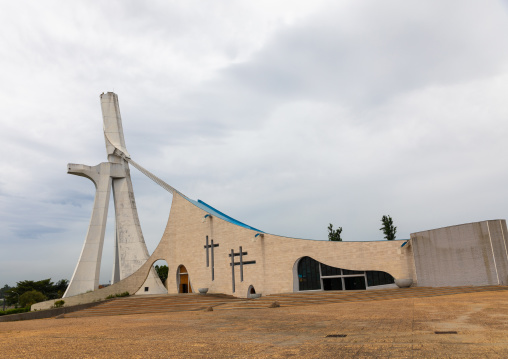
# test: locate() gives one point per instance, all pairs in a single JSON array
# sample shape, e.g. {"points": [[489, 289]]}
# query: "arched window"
{"points": [[308, 274], [313, 275]]}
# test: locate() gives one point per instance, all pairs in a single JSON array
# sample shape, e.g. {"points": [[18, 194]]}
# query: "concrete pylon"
{"points": [[130, 249]]}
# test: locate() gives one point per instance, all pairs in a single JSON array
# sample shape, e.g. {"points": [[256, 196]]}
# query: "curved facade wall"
{"points": [[184, 242]]}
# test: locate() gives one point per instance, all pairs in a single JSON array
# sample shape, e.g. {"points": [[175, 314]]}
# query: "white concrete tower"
{"points": [[130, 248]]}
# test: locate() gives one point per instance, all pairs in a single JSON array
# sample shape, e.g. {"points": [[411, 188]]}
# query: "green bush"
{"points": [[14, 311], [31, 297], [59, 303]]}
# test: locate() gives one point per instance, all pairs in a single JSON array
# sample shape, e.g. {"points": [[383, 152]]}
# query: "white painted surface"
{"points": [[154, 285]]}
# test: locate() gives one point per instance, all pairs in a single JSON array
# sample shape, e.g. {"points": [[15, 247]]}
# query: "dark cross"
{"points": [[210, 246], [241, 264]]}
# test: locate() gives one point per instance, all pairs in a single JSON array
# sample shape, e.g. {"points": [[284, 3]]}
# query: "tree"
{"points": [[162, 272], [4, 289], [60, 287], [3, 292], [334, 234], [31, 297], [388, 228], [45, 286]]}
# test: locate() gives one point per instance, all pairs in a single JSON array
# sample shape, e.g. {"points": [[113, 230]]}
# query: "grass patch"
{"points": [[118, 295]]}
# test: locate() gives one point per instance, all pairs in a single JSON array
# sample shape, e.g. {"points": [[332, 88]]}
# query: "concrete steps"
{"points": [[310, 298], [194, 302], [155, 304]]}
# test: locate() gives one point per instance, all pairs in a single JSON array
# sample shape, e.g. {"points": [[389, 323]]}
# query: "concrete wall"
{"points": [[467, 254]]}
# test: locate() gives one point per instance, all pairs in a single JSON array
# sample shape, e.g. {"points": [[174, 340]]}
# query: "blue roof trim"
{"points": [[214, 212]]}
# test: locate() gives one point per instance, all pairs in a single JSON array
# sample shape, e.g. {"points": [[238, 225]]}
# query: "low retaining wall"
{"points": [[48, 313]]}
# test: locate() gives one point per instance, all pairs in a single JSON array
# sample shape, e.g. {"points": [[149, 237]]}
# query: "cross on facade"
{"points": [[241, 264], [211, 247]]}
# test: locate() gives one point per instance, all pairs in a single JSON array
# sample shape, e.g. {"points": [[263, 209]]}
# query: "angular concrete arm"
{"points": [[86, 274]]}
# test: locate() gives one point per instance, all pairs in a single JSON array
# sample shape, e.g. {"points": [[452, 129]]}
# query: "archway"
{"points": [[155, 282], [183, 280], [161, 268], [251, 292]]}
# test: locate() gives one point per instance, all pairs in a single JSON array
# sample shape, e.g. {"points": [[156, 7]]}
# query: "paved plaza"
{"points": [[393, 328]]}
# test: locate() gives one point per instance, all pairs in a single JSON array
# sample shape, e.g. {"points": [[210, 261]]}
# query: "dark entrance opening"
{"points": [[183, 280], [332, 283], [354, 283]]}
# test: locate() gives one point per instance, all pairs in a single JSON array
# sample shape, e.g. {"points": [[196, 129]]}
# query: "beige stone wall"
{"points": [[185, 236], [183, 243]]}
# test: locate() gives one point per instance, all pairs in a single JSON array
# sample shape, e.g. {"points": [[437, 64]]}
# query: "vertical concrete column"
{"points": [[132, 251], [130, 247]]}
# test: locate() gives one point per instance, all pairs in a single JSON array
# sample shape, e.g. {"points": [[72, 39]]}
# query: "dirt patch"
{"points": [[389, 328]]}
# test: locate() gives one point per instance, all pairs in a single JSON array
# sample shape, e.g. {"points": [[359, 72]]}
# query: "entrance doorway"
{"points": [[184, 285], [251, 291]]}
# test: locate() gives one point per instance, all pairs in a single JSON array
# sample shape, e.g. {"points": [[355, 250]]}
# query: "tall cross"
{"points": [[211, 247], [241, 264]]}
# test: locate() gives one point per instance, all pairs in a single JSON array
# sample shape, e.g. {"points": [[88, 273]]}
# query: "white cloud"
{"points": [[286, 115]]}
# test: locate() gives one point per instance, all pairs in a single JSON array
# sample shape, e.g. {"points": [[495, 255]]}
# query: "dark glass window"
{"points": [[327, 270], [378, 278], [354, 283], [308, 274], [332, 283], [347, 271], [309, 278]]}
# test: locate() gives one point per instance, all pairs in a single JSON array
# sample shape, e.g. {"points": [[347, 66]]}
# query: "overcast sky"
{"points": [[286, 115]]}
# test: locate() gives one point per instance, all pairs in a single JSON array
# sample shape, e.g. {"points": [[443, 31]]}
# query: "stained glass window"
{"points": [[308, 274]]}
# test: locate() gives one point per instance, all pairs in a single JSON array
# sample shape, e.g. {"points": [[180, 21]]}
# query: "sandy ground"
{"points": [[401, 328]]}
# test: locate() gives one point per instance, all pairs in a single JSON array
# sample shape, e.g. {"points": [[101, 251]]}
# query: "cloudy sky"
{"points": [[286, 115]]}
